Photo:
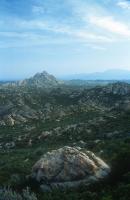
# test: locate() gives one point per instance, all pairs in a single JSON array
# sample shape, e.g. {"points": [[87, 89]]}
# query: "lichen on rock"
{"points": [[69, 167]]}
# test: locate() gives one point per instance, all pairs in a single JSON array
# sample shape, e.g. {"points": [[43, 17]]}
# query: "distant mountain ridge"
{"points": [[47, 80], [43, 79], [113, 74]]}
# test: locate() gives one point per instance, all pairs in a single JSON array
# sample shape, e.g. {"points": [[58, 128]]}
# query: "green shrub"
{"points": [[107, 197], [8, 194], [121, 164], [122, 192]]}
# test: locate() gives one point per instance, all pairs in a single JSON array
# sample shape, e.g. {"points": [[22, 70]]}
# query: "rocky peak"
{"points": [[44, 74], [43, 79]]}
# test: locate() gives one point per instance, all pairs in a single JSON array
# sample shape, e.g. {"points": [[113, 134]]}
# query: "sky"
{"points": [[63, 36]]}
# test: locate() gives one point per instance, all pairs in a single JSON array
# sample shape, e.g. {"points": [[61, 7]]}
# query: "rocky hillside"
{"points": [[21, 105], [35, 121]]}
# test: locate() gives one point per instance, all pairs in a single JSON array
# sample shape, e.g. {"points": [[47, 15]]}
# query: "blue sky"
{"points": [[63, 36]]}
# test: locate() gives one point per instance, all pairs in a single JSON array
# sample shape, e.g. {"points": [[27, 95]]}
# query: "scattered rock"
{"points": [[45, 134], [2, 123], [9, 120], [10, 145], [30, 142], [113, 134]]}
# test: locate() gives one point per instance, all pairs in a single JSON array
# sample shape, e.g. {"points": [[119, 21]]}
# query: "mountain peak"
{"points": [[44, 73], [43, 79]]}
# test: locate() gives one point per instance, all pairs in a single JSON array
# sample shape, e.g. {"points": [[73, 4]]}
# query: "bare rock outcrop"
{"points": [[9, 120], [69, 167]]}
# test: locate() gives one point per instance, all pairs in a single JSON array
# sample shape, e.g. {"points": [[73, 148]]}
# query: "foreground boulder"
{"points": [[68, 167]]}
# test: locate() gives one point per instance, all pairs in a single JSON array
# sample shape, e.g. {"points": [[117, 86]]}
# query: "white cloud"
{"points": [[99, 48], [124, 4], [29, 39], [98, 19], [86, 36], [111, 25], [65, 30], [96, 47]]}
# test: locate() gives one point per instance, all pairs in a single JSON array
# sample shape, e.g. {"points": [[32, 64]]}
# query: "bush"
{"points": [[121, 165], [8, 194], [122, 192], [108, 197]]}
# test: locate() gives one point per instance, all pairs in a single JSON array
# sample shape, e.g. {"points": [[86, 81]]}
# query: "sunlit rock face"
{"points": [[41, 80], [69, 167]]}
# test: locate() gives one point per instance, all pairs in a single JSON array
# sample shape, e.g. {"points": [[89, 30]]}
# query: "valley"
{"points": [[35, 120]]}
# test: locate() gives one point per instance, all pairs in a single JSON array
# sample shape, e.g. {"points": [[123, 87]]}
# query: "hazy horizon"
{"points": [[111, 73], [65, 37]]}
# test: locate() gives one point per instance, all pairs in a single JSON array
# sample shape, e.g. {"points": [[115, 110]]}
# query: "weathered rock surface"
{"points": [[69, 167], [9, 120], [41, 80]]}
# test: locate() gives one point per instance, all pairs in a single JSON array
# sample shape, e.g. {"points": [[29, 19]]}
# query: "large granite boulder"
{"points": [[69, 167]]}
